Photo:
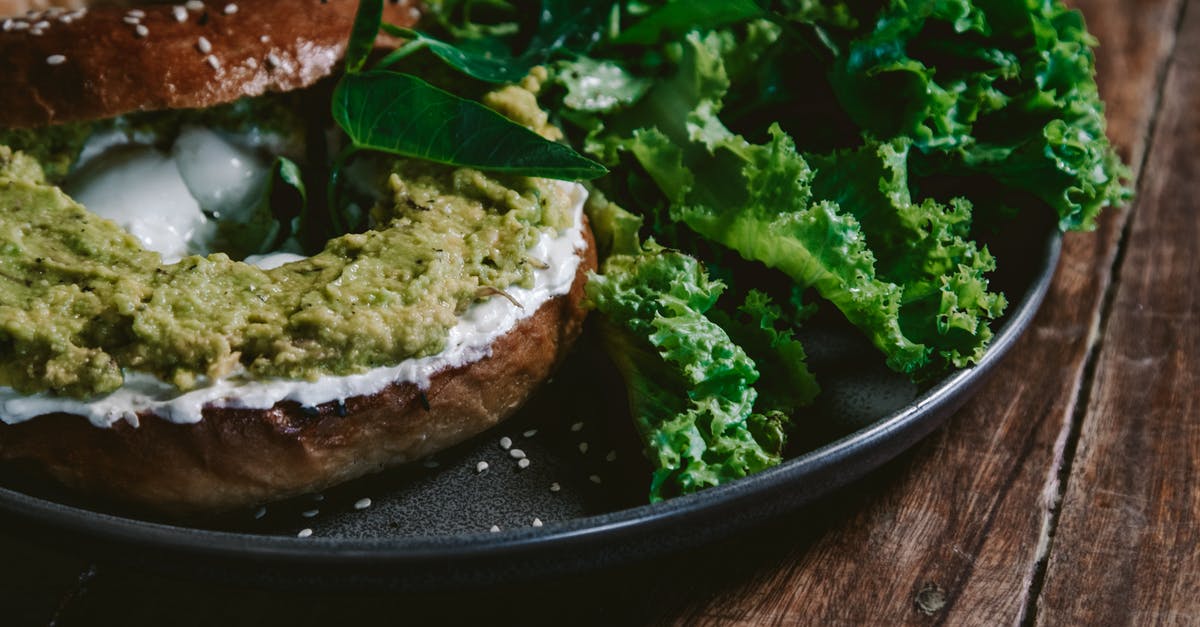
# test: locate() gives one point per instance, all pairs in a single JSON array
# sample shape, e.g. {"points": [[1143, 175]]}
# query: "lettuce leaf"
{"points": [[692, 389]]}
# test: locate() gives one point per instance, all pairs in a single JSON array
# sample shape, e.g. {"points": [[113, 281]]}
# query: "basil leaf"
{"points": [[483, 65], [678, 18], [564, 27], [367, 21], [278, 214], [403, 115]]}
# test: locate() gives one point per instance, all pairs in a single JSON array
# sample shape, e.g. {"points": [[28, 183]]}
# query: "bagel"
{"points": [[227, 435]]}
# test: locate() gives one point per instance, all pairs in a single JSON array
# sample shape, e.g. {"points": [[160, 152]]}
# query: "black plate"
{"points": [[429, 526]]}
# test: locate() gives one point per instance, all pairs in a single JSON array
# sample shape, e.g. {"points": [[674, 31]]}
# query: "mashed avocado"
{"points": [[80, 301]]}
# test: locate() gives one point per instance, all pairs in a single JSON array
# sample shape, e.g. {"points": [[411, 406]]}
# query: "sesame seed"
{"points": [[129, 19], [42, 25], [230, 9], [138, 13], [273, 60], [611, 457], [141, 30], [204, 45], [194, 5], [19, 26], [537, 522], [55, 59], [577, 427], [264, 39], [554, 487], [414, 13], [36, 32], [77, 13], [481, 466], [312, 513], [517, 453], [506, 442], [8, 25], [523, 463], [594, 479], [212, 62], [530, 433], [260, 512], [66, 19], [253, 64], [304, 533], [583, 447], [362, 504], [318, 497], [495, 529], [180, 13]]}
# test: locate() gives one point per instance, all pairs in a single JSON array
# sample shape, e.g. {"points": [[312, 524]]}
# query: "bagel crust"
{"points": [[109, 62], [241, 457]]}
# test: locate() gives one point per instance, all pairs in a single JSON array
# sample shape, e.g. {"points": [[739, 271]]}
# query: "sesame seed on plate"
{"points": [[611, 457], [273, 60], [481, 466], [495, 529], [362, 504], [312, 513], [194, 5], [55, 59], [180, 13], [129, 19], [537, 522], [43, 24], [230, 9], [18, 26], [212, 62], [577, 427], [530, 433], [204, 45], [65, 19], [523, 463], [260, 512], [138, 13], [517, 453], [583, 447], [7, 25], [506, 442], [141, 30], [318, 497], [304, 533], [554, 487], [594, 479]]}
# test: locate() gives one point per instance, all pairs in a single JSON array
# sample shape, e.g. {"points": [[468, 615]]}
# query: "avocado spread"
{"points": [[81, 301]]}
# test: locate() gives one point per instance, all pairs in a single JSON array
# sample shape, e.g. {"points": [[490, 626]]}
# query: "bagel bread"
{"points": [[67, 66], [234, 456]]}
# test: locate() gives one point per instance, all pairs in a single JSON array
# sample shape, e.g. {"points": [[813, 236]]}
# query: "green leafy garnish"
{"points": [[403, 115]]}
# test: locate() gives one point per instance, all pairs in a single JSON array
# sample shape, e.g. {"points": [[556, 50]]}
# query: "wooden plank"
{"points": [[959, 537], [1127, 549], [35, 581]]}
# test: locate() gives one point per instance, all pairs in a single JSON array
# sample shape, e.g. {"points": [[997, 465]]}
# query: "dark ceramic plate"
{"points": [[579, 505]]}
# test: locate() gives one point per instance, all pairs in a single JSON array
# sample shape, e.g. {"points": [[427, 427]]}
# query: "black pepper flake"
{"points": [[341, 409], [424, 400]]}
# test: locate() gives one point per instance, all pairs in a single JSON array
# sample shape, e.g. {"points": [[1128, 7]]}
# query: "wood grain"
{"points": [[959, 537], [1127, 549]]}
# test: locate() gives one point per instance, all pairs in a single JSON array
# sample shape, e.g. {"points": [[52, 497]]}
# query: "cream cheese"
{"points": [[468, 341]]}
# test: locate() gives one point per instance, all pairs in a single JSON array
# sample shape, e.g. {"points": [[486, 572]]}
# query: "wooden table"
{"points": [[1066, 492]]}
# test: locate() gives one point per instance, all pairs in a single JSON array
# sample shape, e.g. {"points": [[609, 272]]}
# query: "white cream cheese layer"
{"points": [[469, 340]]}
